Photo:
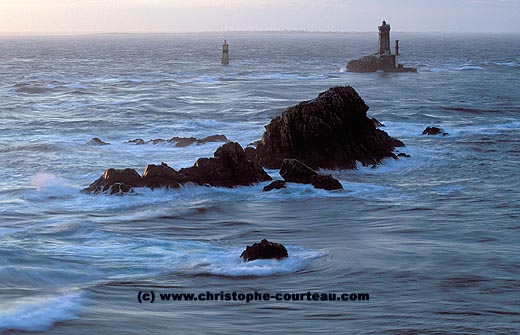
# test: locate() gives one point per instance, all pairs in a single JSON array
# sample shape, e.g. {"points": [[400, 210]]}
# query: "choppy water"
{"points": [[433, 239]]}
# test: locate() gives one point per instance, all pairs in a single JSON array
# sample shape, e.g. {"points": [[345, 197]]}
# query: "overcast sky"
{"points": [[164, 16]]}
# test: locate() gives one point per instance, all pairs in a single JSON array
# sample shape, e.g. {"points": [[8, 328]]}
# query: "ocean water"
{"points": [[433, 239]]}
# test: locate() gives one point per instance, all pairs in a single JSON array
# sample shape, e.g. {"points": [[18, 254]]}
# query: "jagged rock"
{"points": [[365, 64], [254, 144], [250, 153], [264, 250], [213, 138], [97, 141], [156, 176], [434, 131], [331, 132], [275, 185], [373, 63], [295, 171], [182, 141], [137, 141], [402, 154], [326, 182], [157, 141], [376, 123], [116, 181], [228, 168]]}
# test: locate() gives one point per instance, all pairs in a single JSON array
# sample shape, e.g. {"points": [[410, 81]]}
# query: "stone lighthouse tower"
{"points": [[384, 39], [225, 53]]}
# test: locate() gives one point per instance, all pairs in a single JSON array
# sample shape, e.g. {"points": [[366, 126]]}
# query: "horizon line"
{"points": [[215, 32]]}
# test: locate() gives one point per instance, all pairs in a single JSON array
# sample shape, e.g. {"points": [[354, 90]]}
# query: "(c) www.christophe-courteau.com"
{"points": [[309, 296]]}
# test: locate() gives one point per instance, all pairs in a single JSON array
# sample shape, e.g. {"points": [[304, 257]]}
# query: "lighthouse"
{"points": [[384, 39], [225, 53]]}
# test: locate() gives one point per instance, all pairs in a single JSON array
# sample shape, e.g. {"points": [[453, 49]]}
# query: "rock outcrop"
{"points": [[182, 141], [213, 138], [434, 131], [116, 181], [373, 63], [275, 185], [295, 171], [264, 250], [331, 132], [97, 141], [228, 168], [365, 64], [157, 176]]}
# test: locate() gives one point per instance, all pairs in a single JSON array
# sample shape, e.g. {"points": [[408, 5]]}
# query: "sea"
{"points": [[432, 240]]}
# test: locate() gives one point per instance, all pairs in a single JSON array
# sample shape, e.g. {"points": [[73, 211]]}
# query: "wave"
{"points": [[41, 313]]}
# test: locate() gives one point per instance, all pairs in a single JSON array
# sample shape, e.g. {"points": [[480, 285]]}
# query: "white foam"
{"points": [[49, 185], [229, 263], [468, 67], [40, 313], [76, 86]]}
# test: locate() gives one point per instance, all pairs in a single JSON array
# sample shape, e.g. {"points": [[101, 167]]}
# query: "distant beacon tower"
{"points": [[384, 39], [225, 53]]}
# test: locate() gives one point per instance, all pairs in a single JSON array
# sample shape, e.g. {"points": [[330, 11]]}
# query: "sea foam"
{"points": [[40, 313]]}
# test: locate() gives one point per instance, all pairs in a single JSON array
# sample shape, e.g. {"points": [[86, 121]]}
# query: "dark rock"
{"points": [[434, 131], [373, 63], [156, 176], [116, 181], [97, 141], [376, 123], [275, 185], [213, 138], [157, 141], [326, 182], [331, 132], [228, 168], [250, 153], [295, 171], [365, 64], [402, 154], [119, 189], [137, 141], [254, 144], [182, 141], [264, 250]]}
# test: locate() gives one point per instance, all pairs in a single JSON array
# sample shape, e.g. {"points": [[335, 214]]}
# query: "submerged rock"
{"points": [[228, 168], [182, 141], [116, 181], [157, 141], [326, 182], [137, 141], [295, 171], [213, 138], [157, 176], [264, 250], [434, 131], [97, 141], [275, 185], [331, 132]]}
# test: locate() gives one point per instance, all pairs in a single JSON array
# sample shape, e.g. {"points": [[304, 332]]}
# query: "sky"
{"points": [[176, 16]]}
